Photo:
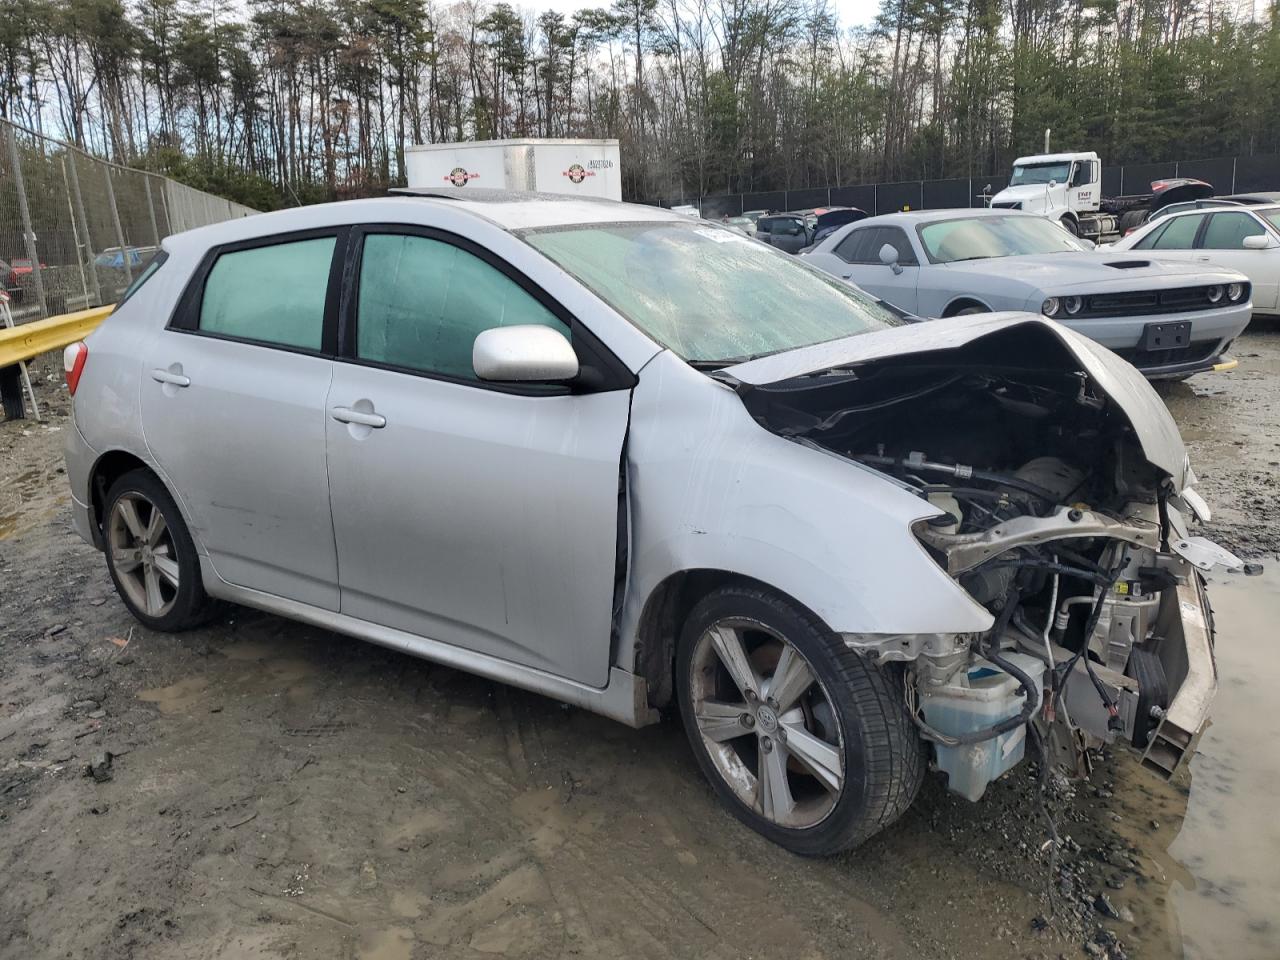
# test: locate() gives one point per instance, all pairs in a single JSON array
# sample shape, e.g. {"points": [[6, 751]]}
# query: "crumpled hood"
{"points": [[1116, 378], [1057, 271]]}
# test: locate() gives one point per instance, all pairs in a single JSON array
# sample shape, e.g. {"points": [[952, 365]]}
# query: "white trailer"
{"points": [[582, 168]]}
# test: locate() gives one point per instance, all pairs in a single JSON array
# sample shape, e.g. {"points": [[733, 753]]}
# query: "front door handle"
{"points": [[170, 377], [347, 415]]}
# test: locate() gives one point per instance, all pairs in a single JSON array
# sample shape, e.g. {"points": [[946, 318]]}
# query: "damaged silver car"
{"points": [[637, 462]]}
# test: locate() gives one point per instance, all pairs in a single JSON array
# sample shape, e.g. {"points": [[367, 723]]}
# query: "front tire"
{"points": [[1070, 226], [804, 740], [151, 556]]}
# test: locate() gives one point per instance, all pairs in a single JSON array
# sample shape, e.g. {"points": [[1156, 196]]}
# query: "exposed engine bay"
{"points": [[1051, 517]]}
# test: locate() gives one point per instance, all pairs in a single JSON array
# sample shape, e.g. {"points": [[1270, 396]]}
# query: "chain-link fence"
{"points": [[75, 229]]}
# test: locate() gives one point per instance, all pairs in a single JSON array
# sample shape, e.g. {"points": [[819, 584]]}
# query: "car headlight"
{"points": [[1215, 293], [1072, 304], [1051, 307], [1235, 292]]}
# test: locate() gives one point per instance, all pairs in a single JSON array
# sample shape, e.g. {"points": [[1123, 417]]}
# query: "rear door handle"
{"points": [[347, 415], [167, 376]]}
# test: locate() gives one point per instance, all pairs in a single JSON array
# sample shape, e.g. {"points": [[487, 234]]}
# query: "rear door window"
{"points": [[270, 294]]}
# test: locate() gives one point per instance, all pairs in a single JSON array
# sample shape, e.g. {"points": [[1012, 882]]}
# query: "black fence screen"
{"points": [[1227, 174]]}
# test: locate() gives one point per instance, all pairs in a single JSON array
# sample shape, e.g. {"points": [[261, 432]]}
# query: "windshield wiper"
{"points": [[715, 364]]}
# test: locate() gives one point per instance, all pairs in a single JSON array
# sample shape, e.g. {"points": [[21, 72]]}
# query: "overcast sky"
{"points": [[852, 13]]}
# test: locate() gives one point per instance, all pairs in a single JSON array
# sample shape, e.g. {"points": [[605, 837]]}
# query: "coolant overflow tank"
{"points": [[976, 699]]}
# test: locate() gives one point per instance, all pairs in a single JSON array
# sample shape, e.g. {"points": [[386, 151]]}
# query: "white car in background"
{"points": [[1167, 319], [1242, 238]]}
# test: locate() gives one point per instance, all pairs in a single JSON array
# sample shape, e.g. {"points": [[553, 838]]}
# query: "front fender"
{"points": [[709, 488]]}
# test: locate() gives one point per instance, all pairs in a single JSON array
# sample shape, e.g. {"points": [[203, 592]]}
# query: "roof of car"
{"points": [[509, 210], [917, 216], [1259, 198], [1233, 207], [517, 209]]}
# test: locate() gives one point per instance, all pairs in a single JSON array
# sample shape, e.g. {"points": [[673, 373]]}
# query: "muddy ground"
{"points": [[279, 791]]}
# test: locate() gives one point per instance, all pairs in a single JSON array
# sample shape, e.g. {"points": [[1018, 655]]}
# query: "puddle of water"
{"points": [[1230, 839], [178, 698]]}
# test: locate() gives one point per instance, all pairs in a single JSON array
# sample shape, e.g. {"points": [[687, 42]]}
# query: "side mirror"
{"points": [[1052, 184], [523, 353], [1257, 241], [889, 257]]}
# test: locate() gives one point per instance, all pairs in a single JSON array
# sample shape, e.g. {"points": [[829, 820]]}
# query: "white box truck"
{"points": [[584, 168]]}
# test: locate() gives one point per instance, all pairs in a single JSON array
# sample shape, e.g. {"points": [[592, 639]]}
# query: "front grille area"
{"points": [[1139, 303], [1009, 205], [1192, 353]]}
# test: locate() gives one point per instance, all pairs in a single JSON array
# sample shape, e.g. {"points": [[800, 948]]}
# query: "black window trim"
{"points": [[186, 315], [601, 370]]}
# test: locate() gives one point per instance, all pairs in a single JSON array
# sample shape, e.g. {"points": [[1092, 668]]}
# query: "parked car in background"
{"points": [[1167, 319], [1234, 200], [9, 281], [789, 232], [605, 452], [1262, 198], [744, 225], [114, 257], [1244, 238], [831, 219]]}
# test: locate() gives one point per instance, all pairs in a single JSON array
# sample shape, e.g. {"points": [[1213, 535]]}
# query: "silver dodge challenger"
{"points": [[1169, 320], [641, 463]]}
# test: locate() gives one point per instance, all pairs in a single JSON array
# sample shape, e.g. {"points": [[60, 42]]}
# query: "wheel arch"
{"points": [[663, 615], [110, 466], [106, 470], [962, 303]]}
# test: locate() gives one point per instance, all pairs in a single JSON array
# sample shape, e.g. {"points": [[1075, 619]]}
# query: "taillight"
{"points": [[73, 359]]}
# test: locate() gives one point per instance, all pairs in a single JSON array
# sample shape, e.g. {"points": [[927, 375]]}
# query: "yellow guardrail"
{"points": [[29, 340]]}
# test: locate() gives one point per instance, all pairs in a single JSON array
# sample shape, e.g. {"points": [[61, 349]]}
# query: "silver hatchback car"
{"points": [[634, 461]]}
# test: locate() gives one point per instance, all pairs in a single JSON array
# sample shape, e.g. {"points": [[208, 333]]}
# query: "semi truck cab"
{"points": [[1067, 187], [1062, 186]]}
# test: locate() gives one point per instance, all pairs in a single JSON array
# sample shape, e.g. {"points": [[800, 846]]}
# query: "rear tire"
{"points": [[1130, 220], [828, 756], [151, 556]]}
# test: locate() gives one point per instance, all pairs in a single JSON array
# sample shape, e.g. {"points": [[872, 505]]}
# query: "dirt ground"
{"points": [[279, 791]]}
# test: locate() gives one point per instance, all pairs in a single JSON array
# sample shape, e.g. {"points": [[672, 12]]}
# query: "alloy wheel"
{"points": [[143, 554], [767, 723]]}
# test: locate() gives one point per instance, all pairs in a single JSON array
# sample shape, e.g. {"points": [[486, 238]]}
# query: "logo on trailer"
{"points": [[577, 173], [459, 176]]}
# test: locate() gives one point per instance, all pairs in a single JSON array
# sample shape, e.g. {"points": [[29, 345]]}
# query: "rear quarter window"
{"points": [[149, 271]]}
